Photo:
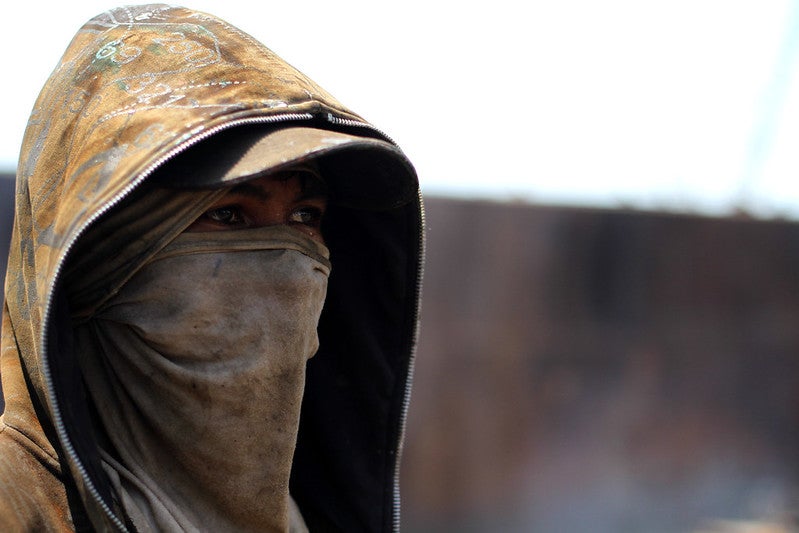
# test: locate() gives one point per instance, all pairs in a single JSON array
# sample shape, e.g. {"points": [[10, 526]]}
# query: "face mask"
{"points": [[197, 369]]}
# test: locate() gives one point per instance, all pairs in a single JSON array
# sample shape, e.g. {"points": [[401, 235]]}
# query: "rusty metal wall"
{"points": [[603, 371], [6, 219]]}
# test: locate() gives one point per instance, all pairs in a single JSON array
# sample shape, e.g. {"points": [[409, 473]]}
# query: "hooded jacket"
{"points": [[136, 87]]}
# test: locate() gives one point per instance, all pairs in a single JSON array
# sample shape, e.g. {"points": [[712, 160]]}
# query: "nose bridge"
{"points": [[270, 215], [274, 205]]}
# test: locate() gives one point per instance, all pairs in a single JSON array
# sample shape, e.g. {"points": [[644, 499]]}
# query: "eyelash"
{"points": [[314, 212], [222, 215], [234, 211]]}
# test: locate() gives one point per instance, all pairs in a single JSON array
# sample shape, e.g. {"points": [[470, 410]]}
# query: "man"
{"points": [[194, 218]]}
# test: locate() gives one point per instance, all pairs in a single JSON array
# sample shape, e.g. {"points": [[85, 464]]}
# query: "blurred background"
{"points": [[609, 338]]}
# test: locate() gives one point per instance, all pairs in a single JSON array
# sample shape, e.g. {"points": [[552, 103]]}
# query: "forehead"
{"points": [[304, 182]]}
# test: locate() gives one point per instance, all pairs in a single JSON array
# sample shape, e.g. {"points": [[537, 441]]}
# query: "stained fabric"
{"points": [[197, 369], [140, 91]]}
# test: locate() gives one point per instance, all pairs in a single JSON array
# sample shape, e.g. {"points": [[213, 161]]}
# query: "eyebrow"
{"points": [[248, 189]]}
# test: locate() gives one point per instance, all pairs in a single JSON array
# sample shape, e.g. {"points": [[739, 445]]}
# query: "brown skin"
{"points": [[294, 198]]}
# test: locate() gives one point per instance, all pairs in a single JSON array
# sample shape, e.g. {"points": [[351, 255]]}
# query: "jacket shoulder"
{"points": [[32, 492]]}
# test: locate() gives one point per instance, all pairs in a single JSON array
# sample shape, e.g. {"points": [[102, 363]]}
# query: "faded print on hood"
{"points": [[136, 86]]}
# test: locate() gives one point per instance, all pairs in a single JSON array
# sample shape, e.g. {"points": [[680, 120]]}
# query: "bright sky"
{"points": [[687, 105]]}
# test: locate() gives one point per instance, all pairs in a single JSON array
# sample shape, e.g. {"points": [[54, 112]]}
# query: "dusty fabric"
{"points": [[197, 369], [110, 253], [135, 88]]}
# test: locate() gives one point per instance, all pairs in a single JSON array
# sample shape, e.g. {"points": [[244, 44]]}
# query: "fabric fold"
{"points": [[196, 367]]}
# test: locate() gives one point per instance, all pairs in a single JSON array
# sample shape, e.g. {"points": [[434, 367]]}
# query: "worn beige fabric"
{"points": [[112, 251], [197, 369], [134, 87]]}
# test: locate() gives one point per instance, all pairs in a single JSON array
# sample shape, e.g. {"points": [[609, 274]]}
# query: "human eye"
{"points": [[307, 216], [225, 216]]}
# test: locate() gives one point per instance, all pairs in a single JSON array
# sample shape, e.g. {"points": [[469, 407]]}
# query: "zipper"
{"points": [[273, 119], [406, 400], [58, 422], [351, 123]]}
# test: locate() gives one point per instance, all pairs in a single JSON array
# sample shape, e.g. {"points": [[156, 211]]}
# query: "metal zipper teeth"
{"points": [[57, 420], [406, 400], [398, 446], [348, 122]]}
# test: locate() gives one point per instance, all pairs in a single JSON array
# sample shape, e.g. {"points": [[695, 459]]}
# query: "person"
{"points": [[212, 295]]}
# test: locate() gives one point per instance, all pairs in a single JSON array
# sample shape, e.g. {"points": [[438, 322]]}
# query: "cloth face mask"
{"points": [[197, 369]]}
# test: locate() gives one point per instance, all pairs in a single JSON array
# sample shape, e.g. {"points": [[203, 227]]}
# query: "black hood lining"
{"points": [[344, 467]]}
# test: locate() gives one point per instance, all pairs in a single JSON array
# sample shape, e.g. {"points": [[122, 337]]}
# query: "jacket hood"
{"points": [[136, 87]]}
